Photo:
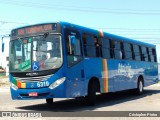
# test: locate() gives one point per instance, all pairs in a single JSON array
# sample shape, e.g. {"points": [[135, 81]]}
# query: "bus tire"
{"points": [[49, 100], [91, 97], [140, 86]]}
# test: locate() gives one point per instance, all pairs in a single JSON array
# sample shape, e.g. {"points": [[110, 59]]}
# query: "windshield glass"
{"points": [[36, 53]]}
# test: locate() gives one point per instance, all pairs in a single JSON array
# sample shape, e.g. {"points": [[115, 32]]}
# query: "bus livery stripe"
{"points": [[14, 81], [23, 85], [18, 83], [105, 76]]}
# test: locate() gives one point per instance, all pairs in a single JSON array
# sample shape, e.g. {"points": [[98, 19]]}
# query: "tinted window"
{"points": [[136, 52], [127, 50], [132, 51], [73, 47], [112, 47], [144, 54], [149, 58], [154, 55], [105, 48], [117, 50], [89, 45]]}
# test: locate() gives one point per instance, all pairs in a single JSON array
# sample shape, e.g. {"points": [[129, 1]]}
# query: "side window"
{"points": [[122, 50], [132, 52], [141, 56], [127, 50], [144, 54], [136, 52], [89, 45], [73, 47], [105, 48], [154, 55], [117, 50], [112, 47], [149, 56]]}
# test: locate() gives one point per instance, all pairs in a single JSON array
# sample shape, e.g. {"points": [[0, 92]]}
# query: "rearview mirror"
{"points": [[73, 39], [2, 45]]}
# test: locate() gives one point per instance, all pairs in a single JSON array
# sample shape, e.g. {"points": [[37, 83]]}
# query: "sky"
{"points": [[136, 19]]}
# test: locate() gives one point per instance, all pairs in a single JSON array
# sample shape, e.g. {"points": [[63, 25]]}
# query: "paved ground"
{"points": [[121, 101]]}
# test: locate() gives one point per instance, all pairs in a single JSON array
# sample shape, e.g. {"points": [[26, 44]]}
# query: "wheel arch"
{"points": [[96, 81]]}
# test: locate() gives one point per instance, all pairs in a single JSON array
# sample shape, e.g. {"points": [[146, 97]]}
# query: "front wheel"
{"points": [[49, 100], [91, 98]]}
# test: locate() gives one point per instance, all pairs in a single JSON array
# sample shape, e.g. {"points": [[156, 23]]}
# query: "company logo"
{"points": [[31, 74], [125, 70], [32, 85]]}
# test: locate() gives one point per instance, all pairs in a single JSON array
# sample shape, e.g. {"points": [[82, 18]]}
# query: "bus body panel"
{"points": [[125, 74], [58, 92], [122, 75], [75, 79]]}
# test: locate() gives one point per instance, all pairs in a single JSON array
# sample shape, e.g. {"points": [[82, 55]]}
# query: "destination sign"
{"points": [[34, 29]]}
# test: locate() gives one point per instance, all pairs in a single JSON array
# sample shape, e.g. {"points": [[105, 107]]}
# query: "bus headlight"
{"points": [[14, 86], [57, 83]]}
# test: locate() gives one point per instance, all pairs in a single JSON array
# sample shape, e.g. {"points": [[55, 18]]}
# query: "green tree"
{"points": [[1, 68]]}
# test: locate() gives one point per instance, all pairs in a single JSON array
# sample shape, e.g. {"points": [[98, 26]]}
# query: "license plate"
{"points": [[33, 94]]}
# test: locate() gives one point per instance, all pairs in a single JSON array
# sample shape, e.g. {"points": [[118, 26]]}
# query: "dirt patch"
{"points": [[4, 81]]}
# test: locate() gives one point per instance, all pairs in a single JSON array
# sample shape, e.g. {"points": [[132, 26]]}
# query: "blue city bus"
{"points": [[64, 60]]}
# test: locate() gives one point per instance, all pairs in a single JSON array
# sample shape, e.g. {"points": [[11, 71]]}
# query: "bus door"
{"points": [[75, 69]]}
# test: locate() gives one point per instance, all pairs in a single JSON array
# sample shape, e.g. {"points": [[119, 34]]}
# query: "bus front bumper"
{"points": [[41, 93]]}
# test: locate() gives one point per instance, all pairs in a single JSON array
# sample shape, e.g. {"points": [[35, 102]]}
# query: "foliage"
{"points": [[1, 68]]}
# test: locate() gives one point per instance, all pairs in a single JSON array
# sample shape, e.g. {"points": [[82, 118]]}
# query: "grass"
{"points": [[4, 81], [3, 84], [3, 77]]}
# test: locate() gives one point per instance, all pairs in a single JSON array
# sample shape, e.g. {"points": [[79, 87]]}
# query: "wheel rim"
{"points": [[140, 86]]}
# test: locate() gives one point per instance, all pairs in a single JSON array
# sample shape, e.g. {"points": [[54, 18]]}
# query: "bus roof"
{"points": [[95, 32], [107, 35]]}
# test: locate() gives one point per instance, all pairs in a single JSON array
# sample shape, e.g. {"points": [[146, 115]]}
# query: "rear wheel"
{"points": [[49, 100], [91, 98], [140, 88]]}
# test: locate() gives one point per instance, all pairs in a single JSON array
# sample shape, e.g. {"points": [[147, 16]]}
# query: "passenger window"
{"points": [[132, 51], [151, 54], [112, 47], [117, 50], [154, 55], [73, 47], [144, 54], [127, 50], [89, 45], [122, 50], [105, 48], [149, 57], [136, 52], [141, 56]]}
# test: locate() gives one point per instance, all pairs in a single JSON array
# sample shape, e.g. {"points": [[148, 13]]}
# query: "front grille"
{"points": [[33, 79]]}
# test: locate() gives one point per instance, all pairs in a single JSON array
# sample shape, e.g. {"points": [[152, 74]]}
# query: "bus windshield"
{"points": [[42, 52]]}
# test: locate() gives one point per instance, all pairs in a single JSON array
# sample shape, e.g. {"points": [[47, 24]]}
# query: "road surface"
{"points": [[121, 101]]}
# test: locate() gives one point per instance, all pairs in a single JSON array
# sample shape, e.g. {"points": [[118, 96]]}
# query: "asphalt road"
{"points": [[120, 101]]}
